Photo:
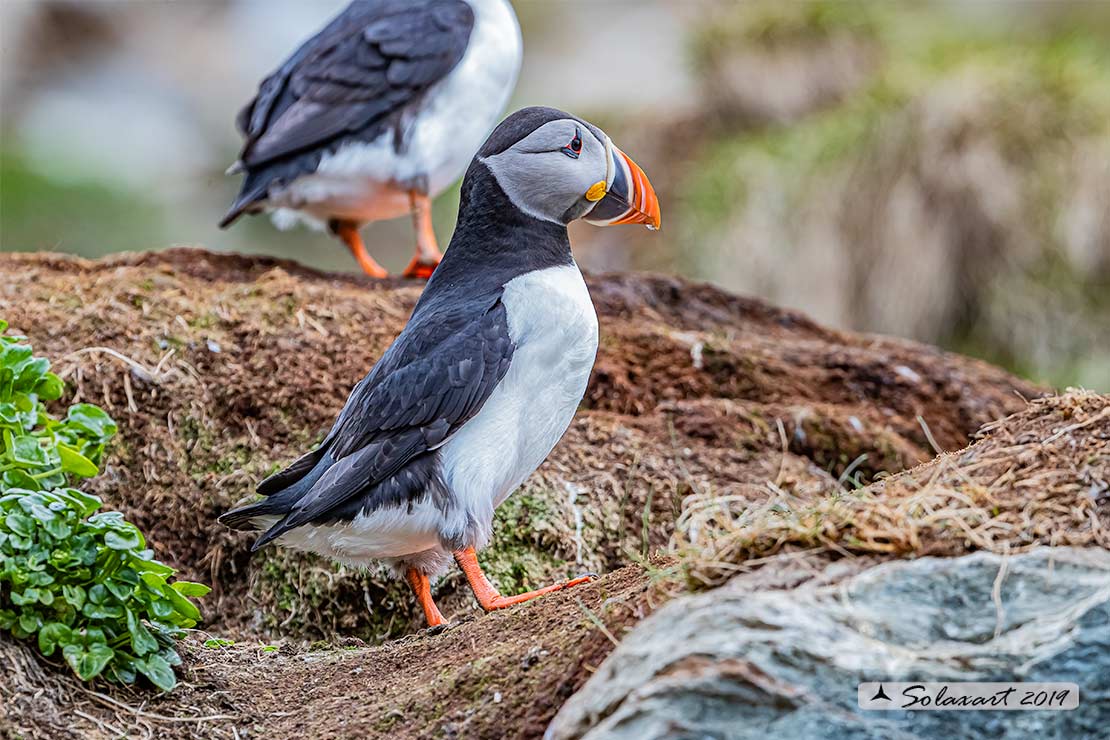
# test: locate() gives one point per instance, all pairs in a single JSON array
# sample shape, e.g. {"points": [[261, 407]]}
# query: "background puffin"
{"points": [[483, 380], [375, 115]]}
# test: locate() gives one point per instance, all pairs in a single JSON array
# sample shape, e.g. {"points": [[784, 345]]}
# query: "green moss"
{"points": [[308, 597], [520, 556]]}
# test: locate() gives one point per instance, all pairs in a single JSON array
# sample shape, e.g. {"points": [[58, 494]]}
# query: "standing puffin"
{"points": [[483, 380], [376, 115]]}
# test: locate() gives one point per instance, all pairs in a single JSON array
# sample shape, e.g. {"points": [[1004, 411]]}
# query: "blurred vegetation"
{"points": [[996, 128], [40, 213], [933, 170]]}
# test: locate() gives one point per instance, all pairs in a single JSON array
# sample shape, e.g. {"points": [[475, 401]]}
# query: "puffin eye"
{"points": [[574, 148]]}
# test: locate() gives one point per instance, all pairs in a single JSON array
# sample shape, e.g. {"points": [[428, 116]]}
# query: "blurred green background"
{"points": [[934, 170]]}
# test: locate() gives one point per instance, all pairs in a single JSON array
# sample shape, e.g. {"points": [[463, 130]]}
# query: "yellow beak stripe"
{"points": [[596, 191]]}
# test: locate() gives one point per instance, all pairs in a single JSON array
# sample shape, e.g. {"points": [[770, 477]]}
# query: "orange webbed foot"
{"points": [[488, 596], [420, 269]]}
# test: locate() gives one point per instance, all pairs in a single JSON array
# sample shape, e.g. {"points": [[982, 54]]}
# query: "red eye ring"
{"points": [[574, 148]]}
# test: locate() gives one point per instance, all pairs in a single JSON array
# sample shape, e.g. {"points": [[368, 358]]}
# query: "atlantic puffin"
{"points": [[376, 115], [483, 380]]}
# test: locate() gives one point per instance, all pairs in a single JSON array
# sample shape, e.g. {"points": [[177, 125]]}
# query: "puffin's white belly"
{"points": [[385, 533], [553, 324], [367, 181]]}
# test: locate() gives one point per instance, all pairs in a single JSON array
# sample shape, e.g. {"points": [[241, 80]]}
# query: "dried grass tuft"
{"points": [[1038, 477]]}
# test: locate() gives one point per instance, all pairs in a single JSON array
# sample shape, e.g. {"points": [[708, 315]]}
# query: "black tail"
{"points": [[282, 490], [242, 204]]}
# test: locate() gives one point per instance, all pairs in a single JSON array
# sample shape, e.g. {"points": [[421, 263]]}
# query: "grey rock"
{"points": [[783, 659]]}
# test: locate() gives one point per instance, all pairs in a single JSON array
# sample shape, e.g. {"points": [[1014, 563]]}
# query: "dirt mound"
{"points": [[1039, 477], [503, 675], [221, 368]]}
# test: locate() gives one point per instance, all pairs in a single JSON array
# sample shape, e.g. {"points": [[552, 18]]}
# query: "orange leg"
{"points": [[422, 587], [427, 251], [347, 231], [488, 596]]}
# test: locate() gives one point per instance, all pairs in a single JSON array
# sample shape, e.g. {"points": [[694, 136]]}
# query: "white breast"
{"points": [[364, 181], [553, 324]]}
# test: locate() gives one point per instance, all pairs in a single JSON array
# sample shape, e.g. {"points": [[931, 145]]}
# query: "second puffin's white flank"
{"points": [[366, 180]]}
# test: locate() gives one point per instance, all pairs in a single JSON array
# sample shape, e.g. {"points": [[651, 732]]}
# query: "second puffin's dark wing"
{"points": [[435, 378], [374, 59], [355, 78]]}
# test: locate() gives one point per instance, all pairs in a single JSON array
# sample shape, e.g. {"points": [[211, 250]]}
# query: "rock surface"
{"points": [[756, 660]]}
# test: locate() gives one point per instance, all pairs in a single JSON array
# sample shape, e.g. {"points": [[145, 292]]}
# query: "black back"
{"points": [[363, 74]]}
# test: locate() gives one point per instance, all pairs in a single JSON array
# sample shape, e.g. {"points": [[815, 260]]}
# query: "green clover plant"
{"points": [[80, 582]]}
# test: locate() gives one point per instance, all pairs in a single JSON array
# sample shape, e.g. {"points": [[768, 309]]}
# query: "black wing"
{"points": [[356, 77], [430, 382]]}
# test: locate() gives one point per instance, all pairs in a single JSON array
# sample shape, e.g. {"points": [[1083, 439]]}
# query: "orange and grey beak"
{"points": [[625, 197]]}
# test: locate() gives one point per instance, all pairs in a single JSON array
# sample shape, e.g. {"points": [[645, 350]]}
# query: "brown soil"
{"points": [[219, 368], [501, 676], [1039, 477]]}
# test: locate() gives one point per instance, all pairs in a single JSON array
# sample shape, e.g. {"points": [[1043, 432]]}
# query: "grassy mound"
{"points": [[220, 368], [1038, 477]]}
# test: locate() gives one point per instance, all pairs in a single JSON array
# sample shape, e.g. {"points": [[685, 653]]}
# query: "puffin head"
{"points": [[556, 167]]}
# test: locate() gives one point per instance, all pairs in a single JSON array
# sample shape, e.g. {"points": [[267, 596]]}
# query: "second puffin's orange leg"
{"points": [[347, 231], [422, 587], [427, 250], [485, 592]]}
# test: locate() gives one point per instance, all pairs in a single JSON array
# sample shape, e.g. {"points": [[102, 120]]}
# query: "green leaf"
{"points": [[76, 463], [158, 671], [152, 567], [29, 451], [102, 611], [98, 594], [53, 634], [188, 588], [30, 373], [92, 420], [19, 479], [87, 662], [30, 622], [142, 641], [85, 503], [20, 524], [14, 355], [74, 596], [183, 606], [123, 540], [120, 590], [50, 387]]}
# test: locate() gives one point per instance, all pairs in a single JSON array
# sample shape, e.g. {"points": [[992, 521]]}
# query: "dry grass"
{"points": [[1038, 477]]}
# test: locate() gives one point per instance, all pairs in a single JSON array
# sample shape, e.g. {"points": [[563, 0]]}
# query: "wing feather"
{"points": [[432, 380], [375, 59]]}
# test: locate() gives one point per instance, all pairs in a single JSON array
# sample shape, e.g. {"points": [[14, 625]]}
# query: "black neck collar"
{"points": [[494, 241]]}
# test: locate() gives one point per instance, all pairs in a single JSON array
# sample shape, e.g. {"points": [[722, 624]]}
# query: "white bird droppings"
{"points": [[907, 373]]}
